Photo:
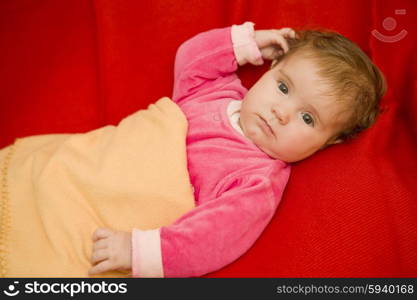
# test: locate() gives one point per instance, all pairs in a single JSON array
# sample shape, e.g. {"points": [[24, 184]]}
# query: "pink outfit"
{"points": [[237, 187]]}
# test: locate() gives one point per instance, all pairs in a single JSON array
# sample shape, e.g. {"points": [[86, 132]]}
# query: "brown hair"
{"points": [[352, 76]]}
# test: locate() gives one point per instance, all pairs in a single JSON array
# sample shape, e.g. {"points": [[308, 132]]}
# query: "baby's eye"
{"points": [[283, 88], [308, 119]]}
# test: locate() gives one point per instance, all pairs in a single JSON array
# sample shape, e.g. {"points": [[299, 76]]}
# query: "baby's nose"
{"points": [[281, 115]]}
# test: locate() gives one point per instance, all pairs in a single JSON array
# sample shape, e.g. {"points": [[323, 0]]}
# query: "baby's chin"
{"points": [[278, 156], [268, 152]]}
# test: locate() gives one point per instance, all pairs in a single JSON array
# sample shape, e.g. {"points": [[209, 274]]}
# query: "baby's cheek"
{"points": [[291, 149], [251, 132]]}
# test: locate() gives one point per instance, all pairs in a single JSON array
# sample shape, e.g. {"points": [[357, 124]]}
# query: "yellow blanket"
{"points": [[57, 189]]}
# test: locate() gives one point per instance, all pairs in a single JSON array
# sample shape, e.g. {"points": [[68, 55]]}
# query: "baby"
{"points": [[321, 89]]}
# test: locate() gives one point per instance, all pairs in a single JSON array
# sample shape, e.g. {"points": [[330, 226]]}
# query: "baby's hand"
{"points": [[111, 251], [273, 43]]}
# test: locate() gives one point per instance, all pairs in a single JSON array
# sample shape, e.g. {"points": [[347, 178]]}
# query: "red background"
{"points": [[350, 211]]}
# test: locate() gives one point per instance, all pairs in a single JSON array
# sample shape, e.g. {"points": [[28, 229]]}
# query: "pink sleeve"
{"points": [[244, 44], [209, 58], [146, 260]]}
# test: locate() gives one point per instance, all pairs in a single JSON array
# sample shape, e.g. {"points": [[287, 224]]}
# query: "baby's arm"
{"points": [[210, 59], [207, 238], [202, 62], [212, 235]]}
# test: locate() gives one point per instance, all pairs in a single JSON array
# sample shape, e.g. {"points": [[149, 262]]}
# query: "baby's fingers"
{"points": [[282, 42], [288, 33], [101, 233], [102, 267], [99, 255], [100, 244]]}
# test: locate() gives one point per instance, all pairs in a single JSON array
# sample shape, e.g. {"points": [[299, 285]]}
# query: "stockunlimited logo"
{"points": [[11, 289]]}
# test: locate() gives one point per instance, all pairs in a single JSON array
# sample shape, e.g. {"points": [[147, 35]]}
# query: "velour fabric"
{"points": [[351, 210]]}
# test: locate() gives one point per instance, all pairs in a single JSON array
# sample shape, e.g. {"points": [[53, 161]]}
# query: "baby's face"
{"points": [[287, 113]]}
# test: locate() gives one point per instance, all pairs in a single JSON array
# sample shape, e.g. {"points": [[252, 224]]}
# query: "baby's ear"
{"points": [[338, 141], [273, 64], [332, 142]]}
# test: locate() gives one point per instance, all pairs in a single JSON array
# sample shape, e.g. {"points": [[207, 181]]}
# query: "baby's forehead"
{"points": [[300, 57], [299, 66]]}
